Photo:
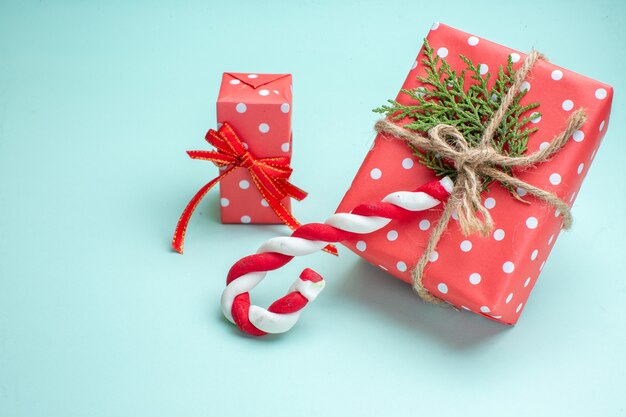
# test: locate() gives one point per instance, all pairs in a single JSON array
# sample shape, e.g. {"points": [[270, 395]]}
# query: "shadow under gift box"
{"points": [[258, 107], [491, 276]]}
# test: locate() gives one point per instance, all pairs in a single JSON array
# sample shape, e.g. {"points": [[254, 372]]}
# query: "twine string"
{"points": [[473, 163]]}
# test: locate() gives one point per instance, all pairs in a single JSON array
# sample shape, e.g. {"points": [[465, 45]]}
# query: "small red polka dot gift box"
{"points": [[491, 275], [252, 149], [258, 107]]}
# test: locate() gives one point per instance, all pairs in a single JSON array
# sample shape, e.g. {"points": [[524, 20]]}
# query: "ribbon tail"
{"points": [[178, 240], [297, 193]]}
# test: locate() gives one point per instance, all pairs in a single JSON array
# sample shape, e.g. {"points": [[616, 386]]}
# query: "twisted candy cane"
{"points": [[248, 272]]}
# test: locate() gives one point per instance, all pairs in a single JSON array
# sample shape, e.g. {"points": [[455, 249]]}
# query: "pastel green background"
{"points": [[98, 317]]}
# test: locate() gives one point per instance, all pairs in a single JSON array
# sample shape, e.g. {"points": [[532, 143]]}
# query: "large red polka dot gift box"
{"points": [[490, 274]]}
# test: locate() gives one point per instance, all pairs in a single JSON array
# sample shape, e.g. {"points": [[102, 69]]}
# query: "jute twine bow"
{"points": [[483, 160]]}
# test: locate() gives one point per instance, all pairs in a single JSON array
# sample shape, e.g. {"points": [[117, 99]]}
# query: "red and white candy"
{"points": [[283, 314]]}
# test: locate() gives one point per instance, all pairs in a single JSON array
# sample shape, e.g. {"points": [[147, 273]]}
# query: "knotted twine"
{"points": [[482, 160]]}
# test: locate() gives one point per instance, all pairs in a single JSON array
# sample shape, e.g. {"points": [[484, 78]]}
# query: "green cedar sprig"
{"points": [[444, 98]]}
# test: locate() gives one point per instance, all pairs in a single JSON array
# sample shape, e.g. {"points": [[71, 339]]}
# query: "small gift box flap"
{"points": [[255, 88]]}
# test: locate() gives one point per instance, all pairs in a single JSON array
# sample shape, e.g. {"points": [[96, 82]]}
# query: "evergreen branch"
{"points": [[446, 96]]}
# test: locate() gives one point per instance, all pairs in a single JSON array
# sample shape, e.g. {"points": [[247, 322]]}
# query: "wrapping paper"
{"points": [[258, 106], [491, 276]]}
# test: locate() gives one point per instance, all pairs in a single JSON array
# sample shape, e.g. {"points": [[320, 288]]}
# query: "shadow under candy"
{"points": [[371, 288]]}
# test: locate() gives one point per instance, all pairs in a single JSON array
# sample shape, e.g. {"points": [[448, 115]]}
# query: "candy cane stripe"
{"points": [[321, 231], [270, 262], [283, 314], [239, 286], [292, 246], [269, 322], [356, 223], [411, 201]]}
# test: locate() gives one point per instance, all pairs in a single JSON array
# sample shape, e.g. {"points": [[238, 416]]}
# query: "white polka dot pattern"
{"points": [[578, 136], [567, 105], [524, 233], [525, 86], [407, 163], [535, 117]]}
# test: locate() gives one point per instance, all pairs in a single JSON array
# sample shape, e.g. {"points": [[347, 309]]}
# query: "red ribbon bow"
{"points": [[271, 176]]}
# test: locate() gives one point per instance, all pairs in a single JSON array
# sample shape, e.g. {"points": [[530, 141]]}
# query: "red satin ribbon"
{"points": [[271, 176]]}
